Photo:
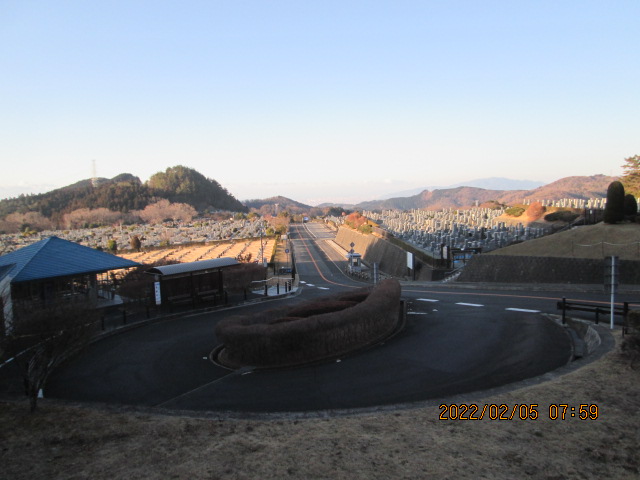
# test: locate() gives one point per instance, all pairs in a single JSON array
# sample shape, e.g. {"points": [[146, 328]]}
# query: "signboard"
{"points": [[410, 260], [156, 288]]}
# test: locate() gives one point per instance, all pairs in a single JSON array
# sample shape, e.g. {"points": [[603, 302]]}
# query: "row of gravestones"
{"points": [[465, 229], [151, 236], [595, 203], [430, 221]]}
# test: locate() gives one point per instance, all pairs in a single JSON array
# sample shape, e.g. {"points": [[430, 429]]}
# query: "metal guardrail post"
{"points": [[564, 310]]}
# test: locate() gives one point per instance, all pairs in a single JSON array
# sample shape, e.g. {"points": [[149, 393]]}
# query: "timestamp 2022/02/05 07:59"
{"points": [[532, 411]]}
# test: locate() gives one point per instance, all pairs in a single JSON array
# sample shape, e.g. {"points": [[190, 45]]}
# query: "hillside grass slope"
{"points": [[593, 241]]}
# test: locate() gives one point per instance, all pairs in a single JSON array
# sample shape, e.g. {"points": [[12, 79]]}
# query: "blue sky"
{"points": [[317, 101]]}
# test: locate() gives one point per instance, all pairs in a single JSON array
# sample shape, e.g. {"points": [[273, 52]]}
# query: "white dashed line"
{"points": [[427, 300], [416, 313], [522, 310], [323, 288], [469, 304], [310, 285]]}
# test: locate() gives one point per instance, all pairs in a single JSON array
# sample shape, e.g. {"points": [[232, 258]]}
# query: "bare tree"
{"points": [[87, 216], [17, 222], [42, 338], [164, 210]]}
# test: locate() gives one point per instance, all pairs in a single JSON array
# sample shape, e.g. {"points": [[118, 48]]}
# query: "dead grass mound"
{"points": [[593, 241]]}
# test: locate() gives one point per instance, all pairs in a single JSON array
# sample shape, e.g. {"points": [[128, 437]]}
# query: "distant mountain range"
{"points": [[491, 183], [126, 192], [570, 187], [275, 205]]}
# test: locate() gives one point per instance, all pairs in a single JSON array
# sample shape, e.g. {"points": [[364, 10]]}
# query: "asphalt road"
{"points": [[455, 341]]}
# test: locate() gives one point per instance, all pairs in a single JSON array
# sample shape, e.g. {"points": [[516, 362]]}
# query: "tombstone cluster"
{"points": [[174, 233], [595, 203], [464, 229]]}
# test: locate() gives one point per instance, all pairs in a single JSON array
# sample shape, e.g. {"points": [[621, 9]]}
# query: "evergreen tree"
{"points": [[614, 210], [630, 206], [631, 177]]}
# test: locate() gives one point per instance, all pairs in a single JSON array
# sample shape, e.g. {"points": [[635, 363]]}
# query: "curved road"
{"points": [[455, 341]]}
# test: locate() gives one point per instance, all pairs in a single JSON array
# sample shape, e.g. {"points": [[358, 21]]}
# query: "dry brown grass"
{"points": [[594, 241], [73, 442]]}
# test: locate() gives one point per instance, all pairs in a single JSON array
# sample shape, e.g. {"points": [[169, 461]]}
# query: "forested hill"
{"points": [[126, 192], [274, 205]]}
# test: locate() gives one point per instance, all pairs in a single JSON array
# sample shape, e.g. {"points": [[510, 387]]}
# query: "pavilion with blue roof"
{"points": [[50, 270]]}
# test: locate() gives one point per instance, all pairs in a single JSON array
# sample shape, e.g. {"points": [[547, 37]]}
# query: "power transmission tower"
{"points": [[94, 174]]}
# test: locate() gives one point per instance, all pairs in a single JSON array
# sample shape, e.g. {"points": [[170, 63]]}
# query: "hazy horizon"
{"points": [[497, 183], [332, 101]]}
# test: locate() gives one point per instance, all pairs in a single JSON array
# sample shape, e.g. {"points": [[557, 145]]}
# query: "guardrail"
{"points": [[622, 311]]}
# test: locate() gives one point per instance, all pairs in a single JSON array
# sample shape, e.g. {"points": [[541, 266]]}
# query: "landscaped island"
{"points": [[313, 331]]}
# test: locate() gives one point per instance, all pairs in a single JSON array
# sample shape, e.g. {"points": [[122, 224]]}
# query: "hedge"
{"points": [[284, 337]]}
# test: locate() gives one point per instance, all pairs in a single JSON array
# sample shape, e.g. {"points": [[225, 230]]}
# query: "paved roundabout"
{"points": [[169, 365], [448, 346]]}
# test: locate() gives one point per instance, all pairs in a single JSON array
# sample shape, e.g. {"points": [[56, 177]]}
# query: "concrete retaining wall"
{"points": [[391, 259], [522, 269]]}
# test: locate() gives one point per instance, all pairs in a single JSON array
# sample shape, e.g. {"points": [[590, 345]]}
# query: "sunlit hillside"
{"points": [[594, 241]]}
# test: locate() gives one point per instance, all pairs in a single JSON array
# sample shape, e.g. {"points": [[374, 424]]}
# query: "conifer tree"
{"points": [[630, 206], [614, 210]]}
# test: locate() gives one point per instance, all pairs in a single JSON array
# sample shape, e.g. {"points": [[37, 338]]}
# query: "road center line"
{"points": [[427, 300], [469, 304], [525, 310]]}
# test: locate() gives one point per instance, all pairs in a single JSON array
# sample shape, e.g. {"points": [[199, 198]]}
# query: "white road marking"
{"points": [[323, 288], [470, 304], [416, 313], [427, 300], [522, 310], [310, 284]]}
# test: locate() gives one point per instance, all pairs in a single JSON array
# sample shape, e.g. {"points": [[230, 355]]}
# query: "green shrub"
{"points": [[514, 211], [366, 229], [561, 216]]}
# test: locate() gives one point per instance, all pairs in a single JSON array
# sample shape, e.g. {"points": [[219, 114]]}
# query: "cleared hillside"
{"points": [[594, 241]]}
